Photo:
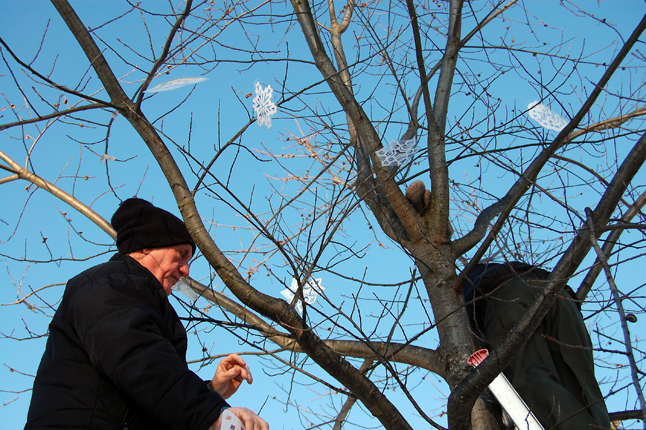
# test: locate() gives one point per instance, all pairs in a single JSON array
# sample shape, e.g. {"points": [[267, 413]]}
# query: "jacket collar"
{"points": [[158, 288]]}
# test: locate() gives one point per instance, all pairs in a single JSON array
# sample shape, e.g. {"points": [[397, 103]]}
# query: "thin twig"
{"points": [[622, 315]]}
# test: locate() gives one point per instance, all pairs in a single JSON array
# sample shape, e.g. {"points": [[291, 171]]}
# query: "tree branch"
{"points": [[275, 309], [164, 54], [52, 83], [471, 239], [25, 174], [465, 394], [531, 173], [390, 351], [394, 213], [620, 308], [100, 65], [52, 115], [608, 246]]}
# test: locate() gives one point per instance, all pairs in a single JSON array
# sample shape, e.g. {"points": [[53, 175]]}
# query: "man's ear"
{"points": [[139, 254]]}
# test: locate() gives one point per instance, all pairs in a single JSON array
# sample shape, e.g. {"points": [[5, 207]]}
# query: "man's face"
{"points": [[169, 264]]}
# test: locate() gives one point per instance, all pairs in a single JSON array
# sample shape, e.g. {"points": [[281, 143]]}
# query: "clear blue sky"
{"points": [[220, 98]]}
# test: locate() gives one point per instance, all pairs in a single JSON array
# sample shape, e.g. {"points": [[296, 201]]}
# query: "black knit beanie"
{"points": [[140, 224]]}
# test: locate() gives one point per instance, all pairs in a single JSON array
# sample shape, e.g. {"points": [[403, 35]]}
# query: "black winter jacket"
{"points": [[116, 358]]}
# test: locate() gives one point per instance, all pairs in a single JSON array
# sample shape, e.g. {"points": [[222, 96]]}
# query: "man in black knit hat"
{"points": [[116, 353]]}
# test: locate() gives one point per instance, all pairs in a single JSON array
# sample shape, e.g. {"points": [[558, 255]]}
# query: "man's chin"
{"points": [[168, 286]]}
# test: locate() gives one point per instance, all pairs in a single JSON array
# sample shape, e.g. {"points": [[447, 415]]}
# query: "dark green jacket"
{"points": [[554, 371]]}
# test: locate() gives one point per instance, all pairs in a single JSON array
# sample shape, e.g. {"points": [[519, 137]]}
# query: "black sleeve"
{"points": [[126, 338]]}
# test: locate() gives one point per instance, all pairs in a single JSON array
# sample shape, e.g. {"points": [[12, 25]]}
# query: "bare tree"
{"points": [[317, 201]]}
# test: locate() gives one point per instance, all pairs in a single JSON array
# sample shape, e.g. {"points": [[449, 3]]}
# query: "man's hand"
{"points": [[249, 419], [230, 373]]}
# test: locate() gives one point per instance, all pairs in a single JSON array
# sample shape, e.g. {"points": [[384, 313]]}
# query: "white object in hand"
{"points": [[230, 421], [508, 397]]}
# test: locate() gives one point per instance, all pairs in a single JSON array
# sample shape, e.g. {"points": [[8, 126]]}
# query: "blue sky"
{"points": [[217, 108]]}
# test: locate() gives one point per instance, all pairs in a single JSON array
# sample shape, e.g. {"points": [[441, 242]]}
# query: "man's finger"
{"points": [[246, 374]]}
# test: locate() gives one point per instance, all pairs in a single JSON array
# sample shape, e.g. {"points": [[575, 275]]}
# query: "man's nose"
{"points": [[184, 269]]}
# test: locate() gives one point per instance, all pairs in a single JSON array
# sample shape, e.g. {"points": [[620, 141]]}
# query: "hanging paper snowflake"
{"points": [[263, 105], [175, 84], [185, 289], [399, 153], [107, 157], [310, 292], [545, 116]]}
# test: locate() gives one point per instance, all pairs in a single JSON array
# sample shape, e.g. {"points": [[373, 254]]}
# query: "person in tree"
{"points": [[116, 353], [554, 371]]}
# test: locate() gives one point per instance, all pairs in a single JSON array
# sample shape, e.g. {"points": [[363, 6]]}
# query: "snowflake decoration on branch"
{"points": [[105, 157], [399, 153], [310, 292], [175, 84], [263, 105], [545, 116], [185, 289]]}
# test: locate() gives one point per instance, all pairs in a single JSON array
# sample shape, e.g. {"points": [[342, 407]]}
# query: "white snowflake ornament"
{"points": [[263, 105], [545, 116], [185, 289], [175, 84], [105, 157], [310, 292], [399, 153]]}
